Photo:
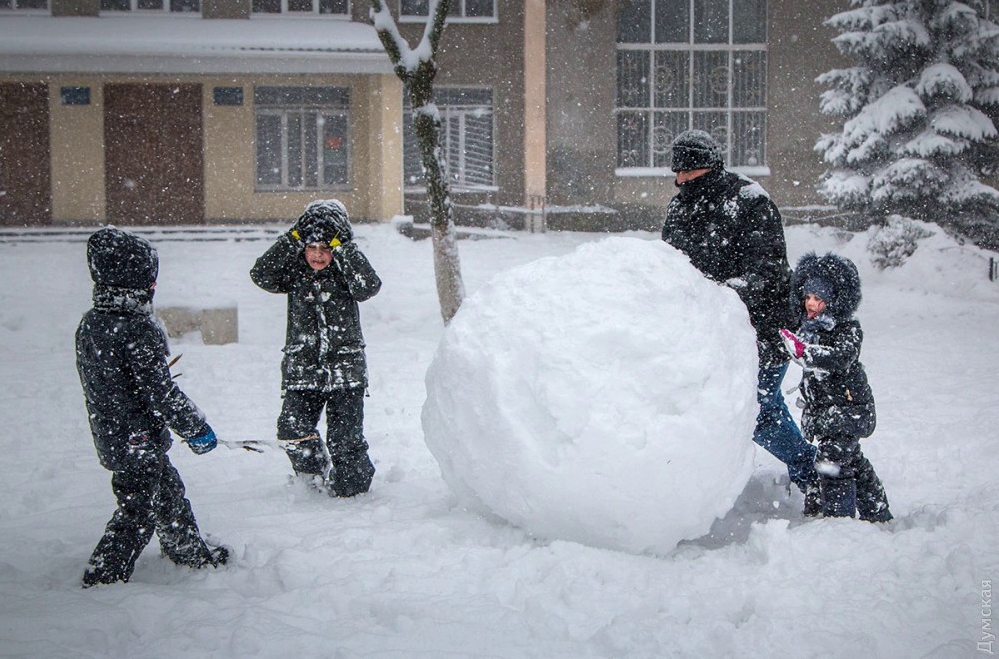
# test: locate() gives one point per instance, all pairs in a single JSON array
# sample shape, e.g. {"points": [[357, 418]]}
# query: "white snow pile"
{"points": [[605, 397]]}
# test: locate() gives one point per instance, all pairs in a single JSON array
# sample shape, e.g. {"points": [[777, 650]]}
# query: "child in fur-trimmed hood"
{"points": [[838, 402]]}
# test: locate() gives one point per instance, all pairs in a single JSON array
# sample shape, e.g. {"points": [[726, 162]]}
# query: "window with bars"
{"points": [[26, 5], [691, 64], [459, 9], [302, 7], [302, 137], [466, 136], [152, 5]]}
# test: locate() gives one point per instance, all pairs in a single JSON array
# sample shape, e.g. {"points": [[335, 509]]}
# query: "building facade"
{"points": [[206, 111], [168, 117]]}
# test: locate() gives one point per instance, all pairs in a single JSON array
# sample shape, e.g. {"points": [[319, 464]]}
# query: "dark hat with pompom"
{"points": [[121, 259], [696, 149]]}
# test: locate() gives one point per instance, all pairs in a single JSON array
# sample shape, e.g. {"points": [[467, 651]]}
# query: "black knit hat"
{"points": [[121, 259], [696, 149]]}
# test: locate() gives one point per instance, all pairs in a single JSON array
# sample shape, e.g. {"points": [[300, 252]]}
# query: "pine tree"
{"points": [[918, 109]]}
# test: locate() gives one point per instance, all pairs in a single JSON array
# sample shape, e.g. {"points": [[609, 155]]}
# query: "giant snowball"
{"points": [[606, 397]]}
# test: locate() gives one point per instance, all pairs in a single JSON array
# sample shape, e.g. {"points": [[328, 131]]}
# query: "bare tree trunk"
{"points": [[417, 75]]}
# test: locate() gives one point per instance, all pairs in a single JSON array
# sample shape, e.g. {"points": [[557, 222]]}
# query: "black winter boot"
{"points": [[114, 556], [217, 557], [813, 500], [839, 497], [198, 555], [872, 502], [350, 475], [306, 455]]}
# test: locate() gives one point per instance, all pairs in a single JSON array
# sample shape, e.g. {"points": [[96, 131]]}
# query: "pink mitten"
{"points": [[792, 343]]}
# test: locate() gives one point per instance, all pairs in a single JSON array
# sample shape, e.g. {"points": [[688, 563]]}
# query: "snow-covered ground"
{"points": [[405, 572]]}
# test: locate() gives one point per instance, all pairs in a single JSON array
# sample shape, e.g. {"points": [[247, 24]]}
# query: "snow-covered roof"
{"points": [[174, 43]]}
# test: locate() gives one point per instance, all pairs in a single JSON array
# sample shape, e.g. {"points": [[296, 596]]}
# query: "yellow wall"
{"points": [[77, 141], [375, 192], [385, 178]]}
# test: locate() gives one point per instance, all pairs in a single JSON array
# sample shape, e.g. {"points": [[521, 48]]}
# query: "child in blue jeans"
{"points": [[838, 402]]}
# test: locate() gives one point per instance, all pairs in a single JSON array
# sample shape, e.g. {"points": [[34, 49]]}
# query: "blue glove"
{"points": [[203, 443]]}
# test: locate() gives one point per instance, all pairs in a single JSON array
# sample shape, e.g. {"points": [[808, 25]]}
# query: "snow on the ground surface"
{"points": [[604, 397], [405, 571]]}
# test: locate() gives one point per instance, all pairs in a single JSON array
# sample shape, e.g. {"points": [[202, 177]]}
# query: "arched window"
{"points": [[691, 64]]}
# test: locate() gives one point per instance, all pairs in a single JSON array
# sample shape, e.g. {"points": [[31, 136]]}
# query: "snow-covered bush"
{"points": [[896, 241]]}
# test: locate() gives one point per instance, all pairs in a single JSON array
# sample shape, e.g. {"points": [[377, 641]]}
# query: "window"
{"points": [[466, 136], [24, 4], [302, 137], [152, 5], [691, 64], [300, 7], [470, 10]]}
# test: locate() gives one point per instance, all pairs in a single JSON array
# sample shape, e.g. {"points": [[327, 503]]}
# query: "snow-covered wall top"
{"points": [[188, 44]]}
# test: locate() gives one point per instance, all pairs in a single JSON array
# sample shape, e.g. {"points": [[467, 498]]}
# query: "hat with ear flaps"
{"points": [[833, 278], [121, 259]]}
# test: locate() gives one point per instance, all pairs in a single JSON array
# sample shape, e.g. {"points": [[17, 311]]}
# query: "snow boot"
{"points": [[839, 497], [813, 500], [217, 557], [200, 555], [94, 576], [872, 502], [114, 557], [350, 475], [879, 514], [306, 454]]}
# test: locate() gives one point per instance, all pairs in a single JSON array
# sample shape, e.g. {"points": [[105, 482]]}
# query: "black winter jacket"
{"points": [[732, 232], [324, 347], [837, 396], [121, 352]]}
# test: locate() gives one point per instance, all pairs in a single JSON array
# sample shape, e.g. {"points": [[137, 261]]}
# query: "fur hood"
{"points": [[839, 273]]}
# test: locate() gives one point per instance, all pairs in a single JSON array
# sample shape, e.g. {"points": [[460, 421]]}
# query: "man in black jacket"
{"points": [[732, 232], [132, 403], [324, 274]]}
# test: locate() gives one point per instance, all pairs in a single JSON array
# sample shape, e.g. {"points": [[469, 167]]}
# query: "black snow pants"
{"points": [[150, 496], [848, 481], [343, 462]]}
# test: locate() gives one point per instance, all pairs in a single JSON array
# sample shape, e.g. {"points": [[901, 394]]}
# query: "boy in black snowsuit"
{"points": [[323, 273], [132, 403], [838, 402]]}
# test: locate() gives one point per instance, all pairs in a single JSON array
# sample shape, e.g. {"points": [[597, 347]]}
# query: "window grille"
{"points": [[685, 64]]}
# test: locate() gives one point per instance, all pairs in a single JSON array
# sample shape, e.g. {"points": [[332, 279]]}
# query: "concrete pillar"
{"points": [[535, 112]]}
